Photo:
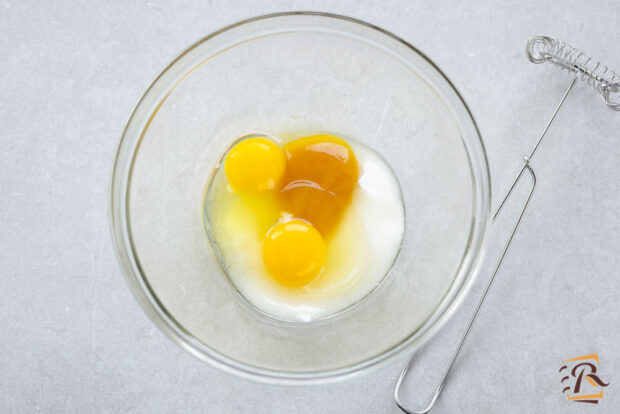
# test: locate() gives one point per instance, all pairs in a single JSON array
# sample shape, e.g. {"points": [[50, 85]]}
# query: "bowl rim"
{"points": [[157, 312]]}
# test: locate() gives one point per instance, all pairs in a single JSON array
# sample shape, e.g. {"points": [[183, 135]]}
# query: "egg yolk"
{"points": [[294, 253], [320, 177], [255, 165]]}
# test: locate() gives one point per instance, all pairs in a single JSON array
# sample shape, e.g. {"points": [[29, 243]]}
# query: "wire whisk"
{"points": [[539, 49]]}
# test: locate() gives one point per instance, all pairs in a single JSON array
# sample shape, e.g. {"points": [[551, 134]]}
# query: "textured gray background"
{"points": [[73, 339]]}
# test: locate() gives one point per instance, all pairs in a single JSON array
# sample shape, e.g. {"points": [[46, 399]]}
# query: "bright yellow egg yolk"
{"points": [[255, 164], [294, 253]]}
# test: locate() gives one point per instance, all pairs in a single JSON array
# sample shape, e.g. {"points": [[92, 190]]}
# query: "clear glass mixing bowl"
{"points": [[287, 72]]}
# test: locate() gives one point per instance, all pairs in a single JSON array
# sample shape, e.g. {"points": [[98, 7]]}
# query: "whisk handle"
{"points": [[444, 377]]}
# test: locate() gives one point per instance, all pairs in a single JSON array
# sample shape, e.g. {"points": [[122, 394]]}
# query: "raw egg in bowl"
{"points": [[299, 198], [304, 228]]}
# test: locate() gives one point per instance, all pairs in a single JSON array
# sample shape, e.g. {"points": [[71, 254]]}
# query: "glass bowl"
{"points": [[275, 74]]}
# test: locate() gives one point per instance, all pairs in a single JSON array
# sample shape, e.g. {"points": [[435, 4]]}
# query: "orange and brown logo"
{"points": [[581, 381]]}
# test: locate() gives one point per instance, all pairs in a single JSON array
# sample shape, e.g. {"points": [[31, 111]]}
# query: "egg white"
{"points": [[360, 252]]}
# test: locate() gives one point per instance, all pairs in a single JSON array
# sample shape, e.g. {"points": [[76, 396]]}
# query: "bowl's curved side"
{"points": [[139, 122]]}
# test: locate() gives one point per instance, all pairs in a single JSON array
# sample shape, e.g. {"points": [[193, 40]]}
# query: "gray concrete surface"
{"points": [[73, 339]]}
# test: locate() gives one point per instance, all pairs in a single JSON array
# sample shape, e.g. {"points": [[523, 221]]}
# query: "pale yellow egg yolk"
{"points": [[294, 253], [255, 164]]}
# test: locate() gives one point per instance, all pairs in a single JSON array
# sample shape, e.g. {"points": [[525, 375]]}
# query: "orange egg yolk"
{"points": [[321, 174]]}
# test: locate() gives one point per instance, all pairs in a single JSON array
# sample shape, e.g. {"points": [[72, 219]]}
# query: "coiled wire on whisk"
{"points": [[604, 80]]}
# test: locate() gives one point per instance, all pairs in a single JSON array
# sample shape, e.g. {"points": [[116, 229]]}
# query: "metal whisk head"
{"points": [[549, 49]]}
